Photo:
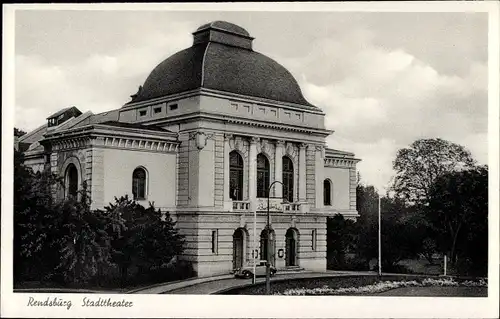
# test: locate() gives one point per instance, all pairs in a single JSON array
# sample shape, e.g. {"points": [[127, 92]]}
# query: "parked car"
{"points": [[260, 270]]}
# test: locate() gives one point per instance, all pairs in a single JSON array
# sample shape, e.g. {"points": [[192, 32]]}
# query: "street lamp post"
{"points": [[268, 244], [379, 239]]}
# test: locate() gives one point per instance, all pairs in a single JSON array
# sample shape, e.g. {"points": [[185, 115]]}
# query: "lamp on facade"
{"points": [[268, 244]]}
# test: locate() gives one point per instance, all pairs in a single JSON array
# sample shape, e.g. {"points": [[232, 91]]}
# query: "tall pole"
{"points": [[268, 244], [254, 252], [379, 240]]}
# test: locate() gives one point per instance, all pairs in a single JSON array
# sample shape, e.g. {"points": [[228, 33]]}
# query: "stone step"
{"points": [[290, 269]]}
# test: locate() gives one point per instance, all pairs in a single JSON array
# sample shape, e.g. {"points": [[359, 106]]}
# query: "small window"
{"points": [[262, 176], [214, 241], [313, 239], [263, 110], [157, 110], [273, 113], [139, 183], [234, 106], [247, 108], [298, 116], [143, 113], [173, 107], [288, 114], [327, 193]]}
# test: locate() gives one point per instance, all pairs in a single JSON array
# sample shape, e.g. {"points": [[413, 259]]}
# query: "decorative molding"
{"points": [[340, 162], [71, 143], [302, 146], [254, 140], [228, 137], [200, 138], [280, 143]]}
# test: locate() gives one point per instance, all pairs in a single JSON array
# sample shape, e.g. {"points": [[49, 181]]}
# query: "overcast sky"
{"points": [[383, 79]]}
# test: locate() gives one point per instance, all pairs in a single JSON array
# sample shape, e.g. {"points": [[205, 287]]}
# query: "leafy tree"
{"points": [[34, 222], [458, 210], [341, 237], [18, 132], [144, 238], [418, 166], [83, 243]]}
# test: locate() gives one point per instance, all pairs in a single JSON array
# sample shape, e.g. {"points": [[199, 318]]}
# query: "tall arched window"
{"points": [[287, 179], [235, 176], [327, 192], [262, 175], [139, 183], [71, 181]]}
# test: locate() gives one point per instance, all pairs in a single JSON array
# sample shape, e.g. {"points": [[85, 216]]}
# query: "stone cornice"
{"points": [[224, 95], [340, 162], [103, 136], [200, 115]]}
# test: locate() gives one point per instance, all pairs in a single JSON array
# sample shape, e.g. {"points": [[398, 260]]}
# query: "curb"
{"points": [[291, 279], [196, 281]]}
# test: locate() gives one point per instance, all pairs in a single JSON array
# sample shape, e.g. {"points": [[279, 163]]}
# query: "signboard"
{"points": [[275, 204]]}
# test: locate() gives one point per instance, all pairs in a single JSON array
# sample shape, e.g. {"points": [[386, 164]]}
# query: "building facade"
{"points": [[204, 138]]}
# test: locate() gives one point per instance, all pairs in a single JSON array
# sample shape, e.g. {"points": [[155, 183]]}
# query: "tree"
{"points": [[34, 222], [341, 237], [142, 238], [458, 210], [418, 166], [18, 132], [82, 241]]}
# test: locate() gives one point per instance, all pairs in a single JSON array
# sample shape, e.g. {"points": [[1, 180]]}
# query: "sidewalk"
{"points": [[212, 285]]}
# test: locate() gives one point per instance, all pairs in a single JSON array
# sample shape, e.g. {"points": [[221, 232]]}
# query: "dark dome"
{"points": [[222, 59]]}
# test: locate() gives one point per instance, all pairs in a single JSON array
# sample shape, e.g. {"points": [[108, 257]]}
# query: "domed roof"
{"points": [[221, 58]]}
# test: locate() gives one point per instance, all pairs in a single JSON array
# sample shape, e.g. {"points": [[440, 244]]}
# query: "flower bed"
{"points": [[382, 286]]}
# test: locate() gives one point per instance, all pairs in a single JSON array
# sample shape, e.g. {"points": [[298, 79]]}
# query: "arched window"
{"points": [[235, 176], [287, 179], [327, 192], [262, 175], [71, 181], [139, 183]]}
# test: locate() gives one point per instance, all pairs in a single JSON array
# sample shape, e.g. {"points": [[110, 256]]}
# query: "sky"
{"points": [[383, 80]]}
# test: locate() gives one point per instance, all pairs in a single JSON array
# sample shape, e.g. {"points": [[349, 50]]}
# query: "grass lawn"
{"points": [[436, 292]]}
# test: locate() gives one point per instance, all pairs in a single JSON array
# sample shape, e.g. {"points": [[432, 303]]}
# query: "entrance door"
{"points": [[238, 249], [291, 248], [264, 246]]}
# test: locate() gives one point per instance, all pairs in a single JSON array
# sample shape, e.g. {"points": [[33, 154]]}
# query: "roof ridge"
{"points": [[203, 64]]}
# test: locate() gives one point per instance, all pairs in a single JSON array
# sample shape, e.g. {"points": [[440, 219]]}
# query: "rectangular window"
{"points": [[313, 238], [143, 113], [263, 110], [157, 110], [247, 108], [287, 114], [173, 107], [234, 106], [214, 241], [273, 113], [298, 116]]}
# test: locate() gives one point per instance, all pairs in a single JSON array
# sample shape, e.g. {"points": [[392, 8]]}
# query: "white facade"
{"points": [[184, 142]]}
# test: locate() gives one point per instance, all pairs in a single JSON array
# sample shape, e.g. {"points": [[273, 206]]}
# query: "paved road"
{"points": [[211, 287]]}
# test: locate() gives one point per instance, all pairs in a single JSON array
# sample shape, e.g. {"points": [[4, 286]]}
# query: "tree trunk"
{"points": [[455, 237], [123, 276]]}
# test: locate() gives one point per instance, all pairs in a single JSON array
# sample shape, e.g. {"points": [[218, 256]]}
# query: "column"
{"points": [[278, 162], [227, 149], [302, 172], [252, 172], [319, 175]]}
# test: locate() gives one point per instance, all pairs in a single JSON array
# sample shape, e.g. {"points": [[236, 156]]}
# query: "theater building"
{"points": [[211, 128]]}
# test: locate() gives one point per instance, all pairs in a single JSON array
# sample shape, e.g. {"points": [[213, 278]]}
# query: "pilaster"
{"points": [[278, 168]]}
